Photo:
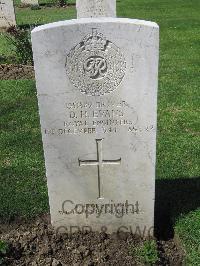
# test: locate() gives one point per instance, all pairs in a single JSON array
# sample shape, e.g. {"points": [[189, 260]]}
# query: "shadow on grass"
{"points": [[28, 26], [173, 198], [55, 5]]}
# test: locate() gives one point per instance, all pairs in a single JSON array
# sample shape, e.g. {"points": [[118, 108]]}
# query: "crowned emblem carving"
{"points": [[95, 66]]}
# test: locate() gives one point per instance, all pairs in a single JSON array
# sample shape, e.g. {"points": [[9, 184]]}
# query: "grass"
{"points": [[22, 182], [146, 254], [3, 251], [178, 145], [43, 15]]}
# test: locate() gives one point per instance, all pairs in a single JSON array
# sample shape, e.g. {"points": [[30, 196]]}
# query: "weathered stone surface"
{"points": [[29, 2], [95, 8], [97, 92], [7, 14]]}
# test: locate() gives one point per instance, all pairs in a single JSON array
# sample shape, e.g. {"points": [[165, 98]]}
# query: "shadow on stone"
{"points": [[173, 198]]}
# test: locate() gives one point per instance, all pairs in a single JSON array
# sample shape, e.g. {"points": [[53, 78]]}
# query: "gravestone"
{"points": [[7, 14], [97, 92], [96, 8], [29, 2]]}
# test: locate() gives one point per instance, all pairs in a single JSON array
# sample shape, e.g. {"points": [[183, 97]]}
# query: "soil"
{"points": [[12, 71], [34, 243]]}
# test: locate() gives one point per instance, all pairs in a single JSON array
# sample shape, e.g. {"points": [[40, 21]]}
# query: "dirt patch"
{"points": [[35, 243], [16, 72]]}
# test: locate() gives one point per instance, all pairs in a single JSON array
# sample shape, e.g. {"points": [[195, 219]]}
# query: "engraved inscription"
{"points": [[99, 163], [2, 10], [100, 117], [95, 66]]}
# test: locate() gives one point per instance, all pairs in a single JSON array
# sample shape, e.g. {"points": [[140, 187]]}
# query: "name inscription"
{"points": [[98, 117]]}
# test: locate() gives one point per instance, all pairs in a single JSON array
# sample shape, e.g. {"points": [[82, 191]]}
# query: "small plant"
{"points": [[21, 41], [3, 251], [146, 253]]}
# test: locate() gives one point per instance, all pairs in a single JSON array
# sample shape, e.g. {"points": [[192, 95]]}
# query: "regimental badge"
{"points": [[95, 66]]}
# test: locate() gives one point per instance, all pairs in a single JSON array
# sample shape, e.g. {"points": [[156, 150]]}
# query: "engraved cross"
{"points": [[100, 164]]}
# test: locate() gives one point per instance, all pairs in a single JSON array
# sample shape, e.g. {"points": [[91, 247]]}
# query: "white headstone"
{"points": [[29, 2], [7, 14], [95, 8], [97, 91]]}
